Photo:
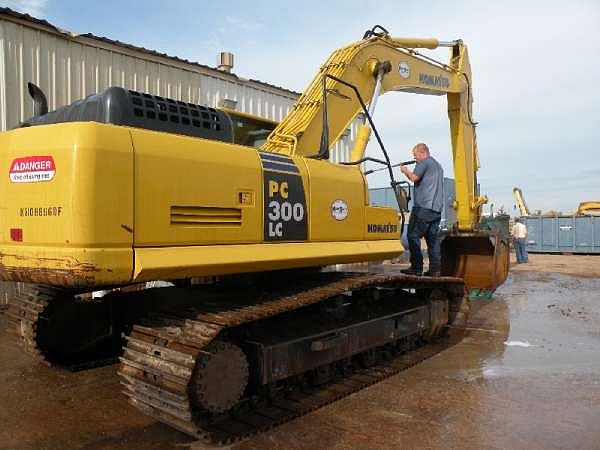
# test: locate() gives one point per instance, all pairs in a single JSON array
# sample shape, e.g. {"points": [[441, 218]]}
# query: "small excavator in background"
{"points": [[124, 188], [523, 209], [590, 208], [587, 208]]}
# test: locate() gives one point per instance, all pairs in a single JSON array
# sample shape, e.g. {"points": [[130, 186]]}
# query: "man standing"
{"points": [[428, 200], [519, 233]]}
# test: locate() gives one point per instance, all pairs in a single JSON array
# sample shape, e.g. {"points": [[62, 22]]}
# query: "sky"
{"points": [[536, 73]]}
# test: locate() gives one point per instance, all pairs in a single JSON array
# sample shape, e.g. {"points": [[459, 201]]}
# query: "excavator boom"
{"points": [[356, 75], [358, 65]]}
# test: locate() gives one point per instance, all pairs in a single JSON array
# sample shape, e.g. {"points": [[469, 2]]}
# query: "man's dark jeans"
{"points": [[424, 223]]}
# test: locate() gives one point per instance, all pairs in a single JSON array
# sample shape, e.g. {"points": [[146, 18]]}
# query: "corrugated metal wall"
{"points": [[68, 70], [71, 68]]}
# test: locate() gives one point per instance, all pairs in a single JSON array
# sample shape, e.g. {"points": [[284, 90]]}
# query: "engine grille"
{"points": [[206, 216]]}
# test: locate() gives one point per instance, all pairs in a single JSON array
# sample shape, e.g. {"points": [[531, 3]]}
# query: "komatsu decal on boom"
{"points": [[143, 188]]}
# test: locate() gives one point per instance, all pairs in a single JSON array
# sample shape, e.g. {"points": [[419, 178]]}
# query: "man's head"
{"points": [[420, 151]]}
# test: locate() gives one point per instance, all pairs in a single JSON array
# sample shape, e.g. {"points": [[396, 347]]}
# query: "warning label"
{"points": [[32, 169]]}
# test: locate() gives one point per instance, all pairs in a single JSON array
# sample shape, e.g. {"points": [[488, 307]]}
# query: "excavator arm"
{"points": [[354, 77], [372, 67], [518, 194]]}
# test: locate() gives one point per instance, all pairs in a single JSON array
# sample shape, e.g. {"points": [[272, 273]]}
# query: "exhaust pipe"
{"points": [[40, 103]]}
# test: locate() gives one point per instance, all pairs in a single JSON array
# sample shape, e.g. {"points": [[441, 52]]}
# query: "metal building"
{"points": [[70, 66]]}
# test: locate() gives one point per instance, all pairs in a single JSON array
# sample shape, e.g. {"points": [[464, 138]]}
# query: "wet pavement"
{"points": [[526, 375]]}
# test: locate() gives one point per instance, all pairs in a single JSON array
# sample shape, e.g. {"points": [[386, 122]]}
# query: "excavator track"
{"points": [[57, 328], [25, 311], [165, 352]]}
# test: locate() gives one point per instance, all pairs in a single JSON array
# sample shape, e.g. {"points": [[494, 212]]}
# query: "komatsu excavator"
{"points": [[123, 188]]}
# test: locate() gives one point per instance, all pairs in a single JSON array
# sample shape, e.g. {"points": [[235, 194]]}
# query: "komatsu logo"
{"points": [[434, 80], [382, 228]]}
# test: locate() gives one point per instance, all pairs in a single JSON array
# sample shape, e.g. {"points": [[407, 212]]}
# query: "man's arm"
{"points": [[410, 175]]}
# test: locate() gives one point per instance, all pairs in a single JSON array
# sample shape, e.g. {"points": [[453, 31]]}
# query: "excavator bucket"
{"points": [[480, 258]]}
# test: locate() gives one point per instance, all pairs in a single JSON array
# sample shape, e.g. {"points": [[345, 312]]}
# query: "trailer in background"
{"points": [[563, 234]]}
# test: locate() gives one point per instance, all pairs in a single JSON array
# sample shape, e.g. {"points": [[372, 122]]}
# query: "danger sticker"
{"points": [[32, 169]]}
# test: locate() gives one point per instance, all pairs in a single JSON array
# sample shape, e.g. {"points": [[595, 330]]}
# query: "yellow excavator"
{"points": [[124, 188], [523, 209], [589, 208]]}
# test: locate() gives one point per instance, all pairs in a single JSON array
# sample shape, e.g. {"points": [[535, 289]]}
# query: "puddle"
{"points": [[559, 328], [518, 344]]}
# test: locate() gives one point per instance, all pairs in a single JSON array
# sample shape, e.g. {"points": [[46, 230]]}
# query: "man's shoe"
{"points": [[412, 271], [434, 273]]}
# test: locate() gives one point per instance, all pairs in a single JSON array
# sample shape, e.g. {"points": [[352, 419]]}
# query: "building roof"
{"points": [[70, 35]]}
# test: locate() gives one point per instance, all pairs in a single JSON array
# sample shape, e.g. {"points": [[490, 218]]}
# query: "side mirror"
{"points": [[402, 195]]}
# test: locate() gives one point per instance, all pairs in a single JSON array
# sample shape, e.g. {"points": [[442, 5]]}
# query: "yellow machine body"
{"points": [[107, 205], [126, 205], [590, 208]]}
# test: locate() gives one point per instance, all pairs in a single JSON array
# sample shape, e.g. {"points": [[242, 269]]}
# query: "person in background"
{"points": [[426, 213], [519, 234]]}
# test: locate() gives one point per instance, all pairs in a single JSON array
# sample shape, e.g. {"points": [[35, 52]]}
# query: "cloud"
{"points": [[34, 8]]}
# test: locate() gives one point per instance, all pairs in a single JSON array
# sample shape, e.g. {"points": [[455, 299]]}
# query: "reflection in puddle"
{"points": [[538, 323], [518, 344], [552, 330]]}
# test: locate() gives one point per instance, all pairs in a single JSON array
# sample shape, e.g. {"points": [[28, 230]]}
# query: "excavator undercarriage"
{"points": [[228, 368], [225, 360]]}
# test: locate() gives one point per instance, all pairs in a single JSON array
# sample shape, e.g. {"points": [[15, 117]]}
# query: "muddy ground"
{"points": [[578, 265], [526, 375]]}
